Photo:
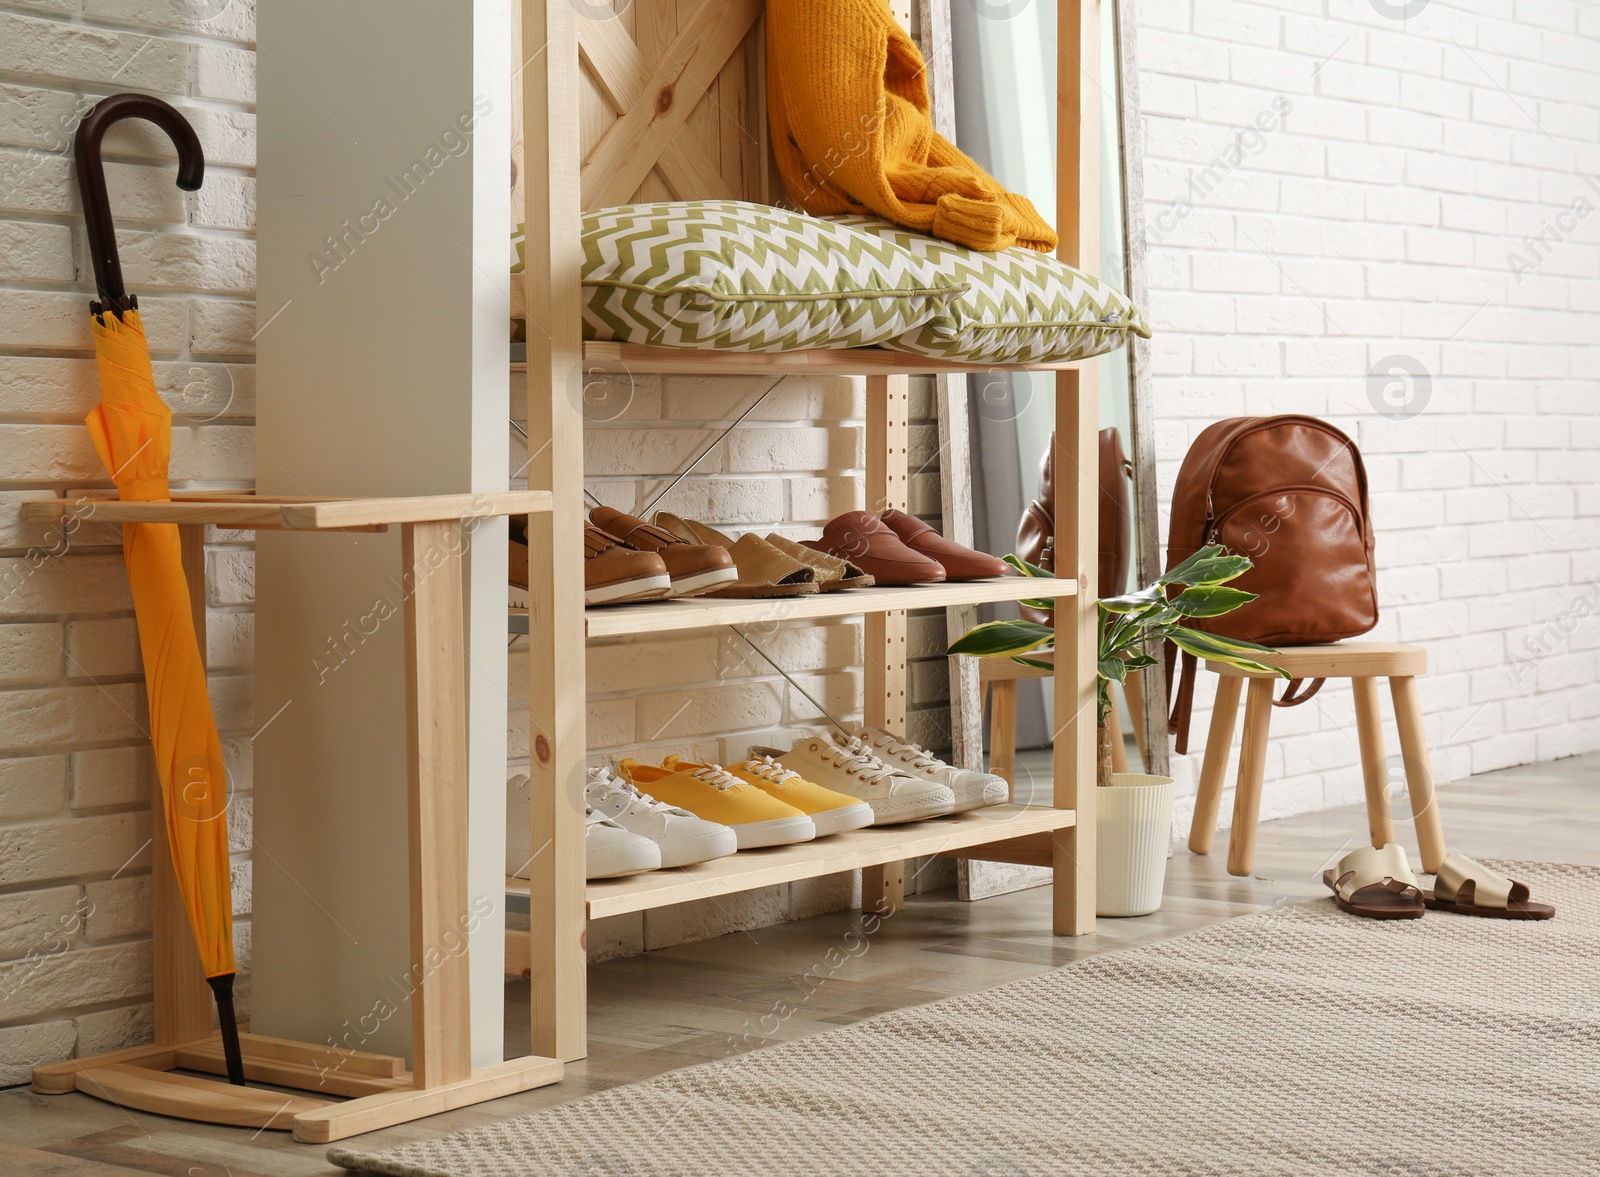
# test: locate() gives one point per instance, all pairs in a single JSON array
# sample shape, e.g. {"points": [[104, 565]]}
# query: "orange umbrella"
{"points": [[132, 432]]}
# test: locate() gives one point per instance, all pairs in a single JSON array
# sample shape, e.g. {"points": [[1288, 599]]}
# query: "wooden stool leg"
{"points": [[1374, 768], [1119, 750], [1224, 713], [1419, 774], [1003, 732], [1252, 764], [1133, 689]]}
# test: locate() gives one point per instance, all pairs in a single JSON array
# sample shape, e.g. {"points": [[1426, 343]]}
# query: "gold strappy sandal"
{"points": [[1470, 888], [1376, 884]]}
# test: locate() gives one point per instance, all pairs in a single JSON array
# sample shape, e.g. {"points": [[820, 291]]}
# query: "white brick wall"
{"points": [[75, 773], [1375, 210]]}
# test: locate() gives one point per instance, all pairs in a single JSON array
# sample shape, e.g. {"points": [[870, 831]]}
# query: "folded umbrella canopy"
{"points": [[132, 432]]}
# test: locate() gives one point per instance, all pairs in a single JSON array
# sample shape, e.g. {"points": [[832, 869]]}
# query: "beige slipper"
{"points": [[1376, 883], [764, 571], [832, 572], [1469, 888]]}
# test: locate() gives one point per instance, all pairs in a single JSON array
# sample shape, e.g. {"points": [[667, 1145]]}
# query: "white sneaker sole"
{"points": [[646, 588], [703, 582], [699, 848], [780, 831], [892, 810], [980, 795], [846, 817], [613, 862]]}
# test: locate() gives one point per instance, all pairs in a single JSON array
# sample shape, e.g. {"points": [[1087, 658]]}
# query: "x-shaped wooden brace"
{"points": [[655, 104]]}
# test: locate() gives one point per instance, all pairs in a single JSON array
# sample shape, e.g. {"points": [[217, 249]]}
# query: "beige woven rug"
{"points": [[1298, 1041]]}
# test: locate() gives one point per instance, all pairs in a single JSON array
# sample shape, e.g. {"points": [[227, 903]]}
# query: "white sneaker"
{"points": [[850, 767], [609, 851], [973, 790], [683, 838]]}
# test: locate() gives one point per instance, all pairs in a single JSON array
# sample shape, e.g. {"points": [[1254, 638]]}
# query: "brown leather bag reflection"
{"points": [[1036, 534]]}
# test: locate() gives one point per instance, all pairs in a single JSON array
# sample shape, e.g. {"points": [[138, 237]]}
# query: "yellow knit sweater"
{"points": [[848, 103]]}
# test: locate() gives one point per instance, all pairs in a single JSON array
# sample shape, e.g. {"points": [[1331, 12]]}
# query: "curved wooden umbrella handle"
{"points": [[92, 181]]}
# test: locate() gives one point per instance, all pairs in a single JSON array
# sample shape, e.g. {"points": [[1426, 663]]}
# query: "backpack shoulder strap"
{"points": [[1297, 692], [1178, 721]]}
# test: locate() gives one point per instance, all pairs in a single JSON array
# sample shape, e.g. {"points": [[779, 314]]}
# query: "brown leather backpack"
{"points": [[1036, 534], [1290, 492]]}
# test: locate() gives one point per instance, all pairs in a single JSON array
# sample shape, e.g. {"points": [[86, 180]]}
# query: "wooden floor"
{"points": [[703, 1001]]}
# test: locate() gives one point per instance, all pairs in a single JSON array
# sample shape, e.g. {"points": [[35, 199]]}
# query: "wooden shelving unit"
{"points": [[644, 125], [388, 378], [382, 1091]]}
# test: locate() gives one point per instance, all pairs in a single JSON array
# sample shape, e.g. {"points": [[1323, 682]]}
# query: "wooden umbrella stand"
{"points": [[370, 1091]]}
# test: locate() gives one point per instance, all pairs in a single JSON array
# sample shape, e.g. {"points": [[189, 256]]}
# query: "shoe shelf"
{"points": [[874, 846], [642, 360], [562, 179], [654, 617]]}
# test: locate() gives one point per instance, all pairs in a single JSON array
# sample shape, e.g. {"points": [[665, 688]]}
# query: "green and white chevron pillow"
{"points": [[1020, 306], [733, 276]]}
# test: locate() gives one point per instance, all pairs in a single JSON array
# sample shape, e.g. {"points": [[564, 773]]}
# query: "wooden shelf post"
{"points": [[1077, 482], [557, 694], [441, 1022], [884, 647]]}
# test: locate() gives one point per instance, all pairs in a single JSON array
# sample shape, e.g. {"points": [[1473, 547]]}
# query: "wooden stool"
{"points": [[999, 677], [1363, 663]]}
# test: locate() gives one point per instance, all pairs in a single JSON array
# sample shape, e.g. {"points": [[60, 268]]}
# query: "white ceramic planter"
{"points": [[1134, 829]]}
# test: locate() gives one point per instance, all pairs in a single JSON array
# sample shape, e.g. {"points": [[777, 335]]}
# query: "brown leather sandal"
{"points": [[1376, 884], [1469, 888]]}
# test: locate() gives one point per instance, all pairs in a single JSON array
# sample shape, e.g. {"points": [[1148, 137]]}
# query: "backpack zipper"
{"points": [[1321, 492]]}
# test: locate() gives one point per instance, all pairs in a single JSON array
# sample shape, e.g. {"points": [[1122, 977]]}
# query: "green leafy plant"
{"points": [[1129, 623]]}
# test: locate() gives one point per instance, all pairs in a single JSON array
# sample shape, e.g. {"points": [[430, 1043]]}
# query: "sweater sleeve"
{"points": [[849, 112]]}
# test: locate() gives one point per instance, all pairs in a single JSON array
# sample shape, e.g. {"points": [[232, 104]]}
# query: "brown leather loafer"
{"points": [[694, 568], [614, 572], [960, 563], [861, 539]]}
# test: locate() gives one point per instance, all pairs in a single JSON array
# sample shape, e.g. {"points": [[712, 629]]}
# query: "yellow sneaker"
{"points": [[709, 791], [830, 812]]}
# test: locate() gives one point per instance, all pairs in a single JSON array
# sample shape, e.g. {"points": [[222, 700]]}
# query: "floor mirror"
{"points": [[997, 59]]}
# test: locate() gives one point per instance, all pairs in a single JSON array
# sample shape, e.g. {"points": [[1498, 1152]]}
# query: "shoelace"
{"points": [[716, 776], [858, 759], [634, 802], [915, 754], [769, 769]]}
